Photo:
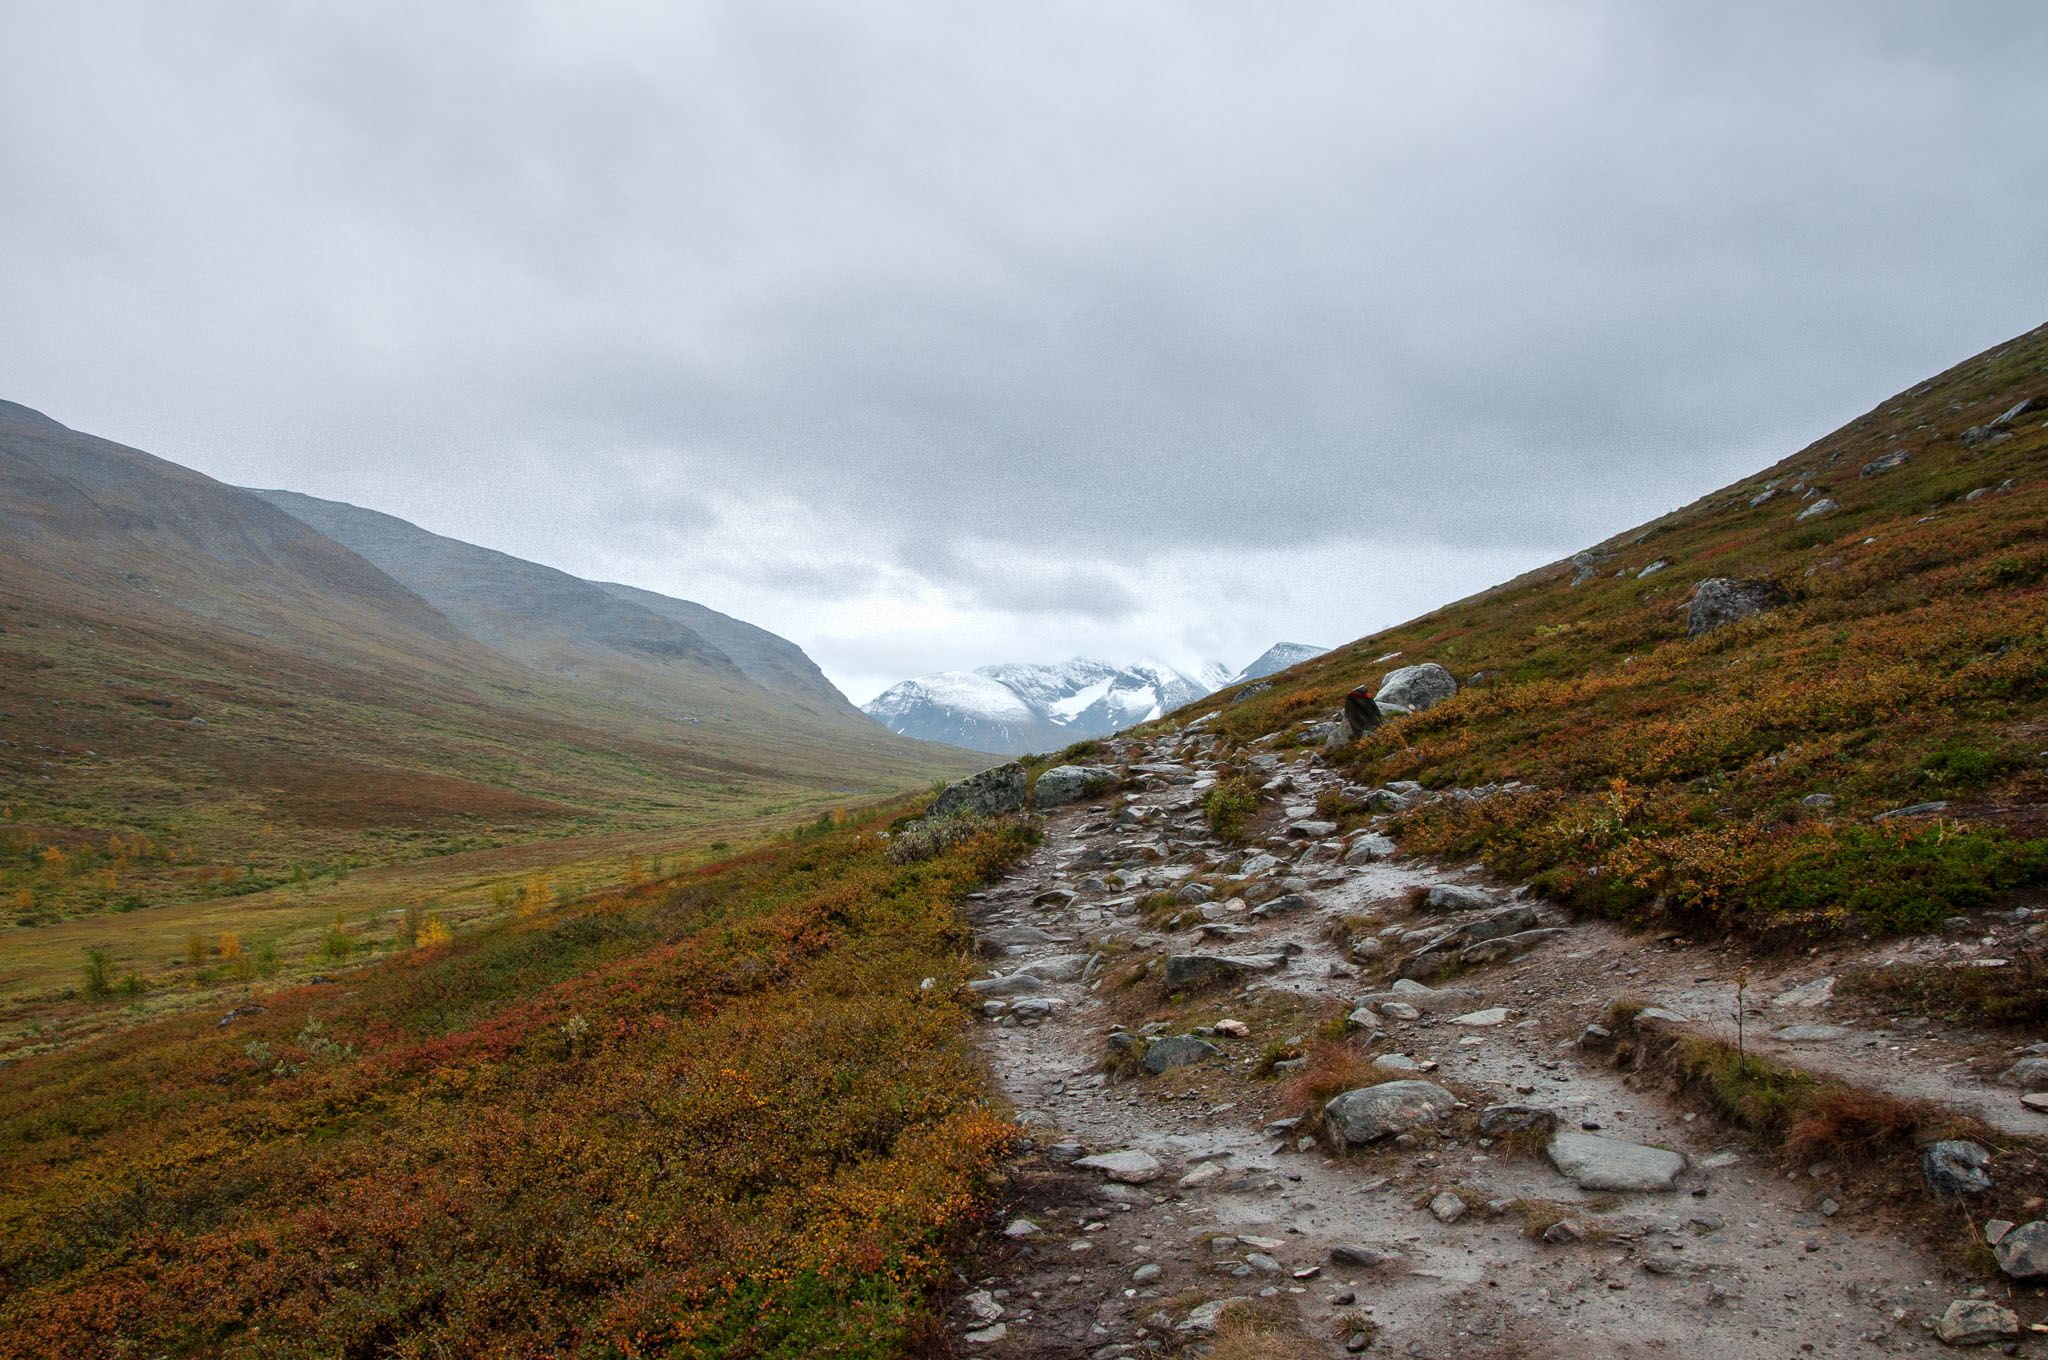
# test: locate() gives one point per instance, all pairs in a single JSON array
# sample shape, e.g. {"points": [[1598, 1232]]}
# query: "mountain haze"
{"points": [[638, 646]]}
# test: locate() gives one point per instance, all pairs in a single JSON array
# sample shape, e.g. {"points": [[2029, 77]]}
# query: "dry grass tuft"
{"points": [[1845, 1123], [1333, 1068], [1259, 1331]]}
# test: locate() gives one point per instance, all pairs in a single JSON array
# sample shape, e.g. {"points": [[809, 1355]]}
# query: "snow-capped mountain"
{"points": [[1273, 660], [1020, 707]]}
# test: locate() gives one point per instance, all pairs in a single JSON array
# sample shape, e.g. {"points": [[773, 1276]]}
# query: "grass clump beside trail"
{"points": [[1230, 809], [1735, 779], [2016, 994], [720, 1115]]}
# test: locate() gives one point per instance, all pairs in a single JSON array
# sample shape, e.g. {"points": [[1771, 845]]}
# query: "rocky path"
{"points": [[1432, 1239]]}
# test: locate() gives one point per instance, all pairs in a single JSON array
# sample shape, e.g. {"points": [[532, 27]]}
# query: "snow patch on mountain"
{"points": [[1276, 658], [1021, 706]]}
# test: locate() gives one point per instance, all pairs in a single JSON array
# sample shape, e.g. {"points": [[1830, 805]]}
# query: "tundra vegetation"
{"points": [[732, 1112], [1737, 778]]}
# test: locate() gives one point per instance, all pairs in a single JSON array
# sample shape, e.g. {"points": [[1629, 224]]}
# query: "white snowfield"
{"points": [[1023, 706]]}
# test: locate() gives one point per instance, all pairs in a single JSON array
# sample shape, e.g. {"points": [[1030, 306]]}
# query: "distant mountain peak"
{"points": [[1017, 707], [1276, 658]]}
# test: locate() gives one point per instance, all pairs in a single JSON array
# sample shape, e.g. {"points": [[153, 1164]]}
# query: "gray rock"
{"points": [[1369, 847], [1451, 897], [1976, 1322], [1016, 984], [1563, 1231], [2028, 1074], [1415, 996], [987, 794], [1179, 1050], [1594, 1163], [1826, 505], [1447, 1208], [1060, 968], [1006, 936], [1264, 1264], [1814, 993], [1497, 1121], [988, 1336], [1033, 1009], [1365, 1258], [1259, 864], [1914, 810], [1281, 905], [1954, 1167], [1897, 458], [1194, 894], [1720, 601], [2023, 1252], [1507, 946], [1066, 783], [1596, 1038], [1131, 1166], [1370, 1113], [1416, 687], [1147, 1273], [1820, 802]]}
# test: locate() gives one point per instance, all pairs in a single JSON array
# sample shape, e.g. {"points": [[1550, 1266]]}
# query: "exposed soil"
{"points": [[1746, 1256]]}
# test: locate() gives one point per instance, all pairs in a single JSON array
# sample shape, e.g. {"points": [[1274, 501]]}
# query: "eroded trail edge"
{"points": [[1149, 1199]]}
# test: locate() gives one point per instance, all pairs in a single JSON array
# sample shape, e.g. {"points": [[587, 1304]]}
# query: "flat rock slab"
{"points": [[1016, 984], [1132, 1166], [1431, 999], [1493, 1015], [1810, 1034], [1594, 1163], [1178, 1050]]}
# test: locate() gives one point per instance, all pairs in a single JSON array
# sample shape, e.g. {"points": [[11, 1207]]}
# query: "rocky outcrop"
{"points": [[1412, 689], [1065, 783], [987, 794], [1720, 601]]}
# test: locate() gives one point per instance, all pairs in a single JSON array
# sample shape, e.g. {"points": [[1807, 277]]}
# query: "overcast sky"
{"points": [[939, 334]]}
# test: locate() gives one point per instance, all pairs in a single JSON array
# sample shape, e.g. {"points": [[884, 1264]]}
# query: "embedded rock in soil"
{"points": [[1132, 1166], [1808, 1034], [1451, 897], [1977, 1322], [2028, 1074], [1179, 1050], [1507, 946], [986, 794], [1015, 984], [1065, 783], [1955, 1167], [1720, 601], [1060, 968], [1370, 1113], [2023, 1252], [1365, 1258], [1594, 1163], [1498, 1120], [1369, 847]]}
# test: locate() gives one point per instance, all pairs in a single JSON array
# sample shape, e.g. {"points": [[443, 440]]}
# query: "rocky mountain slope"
{"points": [[1276, 658], [1011, 709]]}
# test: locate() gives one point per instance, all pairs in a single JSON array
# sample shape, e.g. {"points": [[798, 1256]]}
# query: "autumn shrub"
{"points": [[95, 978], [1230, 808], [765, 1137], [935, 835], [1334, 1067]]}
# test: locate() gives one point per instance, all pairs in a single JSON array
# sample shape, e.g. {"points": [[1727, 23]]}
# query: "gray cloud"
{"points": [[1022, 304]]}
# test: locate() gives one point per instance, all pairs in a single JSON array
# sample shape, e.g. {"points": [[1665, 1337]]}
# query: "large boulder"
{"points": [[1594, 1163], [1977, 1322], [1720, 601], [1415, 688], [1131, 1166], [986, 794], [1065, 783], [1370, 1113]]}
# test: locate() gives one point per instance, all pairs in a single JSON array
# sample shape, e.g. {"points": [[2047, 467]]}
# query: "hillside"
{"points": [[217, 716], [1019, 707], [1737, 777], [672, 657]]}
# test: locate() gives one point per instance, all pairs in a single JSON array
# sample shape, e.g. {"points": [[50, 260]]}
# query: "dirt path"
{"points": [[1737, 1260]]}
